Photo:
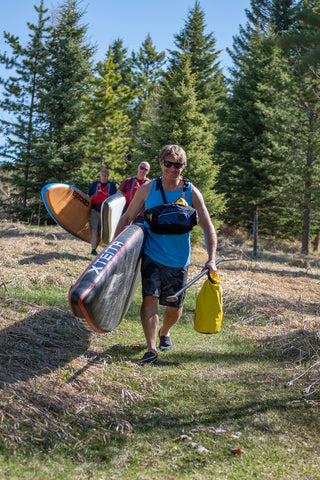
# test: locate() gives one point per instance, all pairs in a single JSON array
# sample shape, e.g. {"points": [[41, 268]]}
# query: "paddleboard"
{"points": [[69, 208], [103, 293], [111, 211]]}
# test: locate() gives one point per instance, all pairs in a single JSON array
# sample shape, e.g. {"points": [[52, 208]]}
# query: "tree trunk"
{"points": [[307, 206], [306, 230]]}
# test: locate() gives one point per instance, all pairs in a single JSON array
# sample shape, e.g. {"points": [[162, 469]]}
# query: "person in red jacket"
{"points": [[130, 185], [99, 191]]}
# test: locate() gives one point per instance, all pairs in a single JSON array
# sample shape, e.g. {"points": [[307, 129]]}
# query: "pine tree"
{"points": [[148, 69], [23, 125], [295, 115], [242, 143], [122, 63], [107, 124], [306, 38], [67, 81], [177, 119], [243, 146], [201, 47]]}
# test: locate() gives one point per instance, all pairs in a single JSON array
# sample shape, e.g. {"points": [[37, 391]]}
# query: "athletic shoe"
{"points": [[94, 252], [148, 357], [165, 342]]}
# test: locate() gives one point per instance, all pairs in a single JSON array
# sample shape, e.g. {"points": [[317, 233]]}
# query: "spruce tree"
{"points": [[293, 113], [122, 63], [243, 146], [107, 125], [177, 119], [242, 143], [306, 38], [24, 124], [67, 81], [201, 47], [148, 69]]}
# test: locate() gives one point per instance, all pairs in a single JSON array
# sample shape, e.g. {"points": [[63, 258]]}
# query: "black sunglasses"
{"points": [[176, 165]]}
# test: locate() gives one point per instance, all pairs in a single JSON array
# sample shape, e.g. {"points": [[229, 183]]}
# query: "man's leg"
{"points": [[171, 316], [94, 238], [95, 227], [150, 321]]}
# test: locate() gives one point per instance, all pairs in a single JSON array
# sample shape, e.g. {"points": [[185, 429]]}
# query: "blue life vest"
{"points": [[172, 250]]}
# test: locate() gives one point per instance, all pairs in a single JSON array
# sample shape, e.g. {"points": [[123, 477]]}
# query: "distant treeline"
{"points": [[252, 141]]}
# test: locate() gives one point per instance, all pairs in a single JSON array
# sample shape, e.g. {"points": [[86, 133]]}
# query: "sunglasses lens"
{"points": [[168, 164]]}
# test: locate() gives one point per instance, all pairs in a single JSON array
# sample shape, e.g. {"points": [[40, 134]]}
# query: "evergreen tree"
{"points": [[148, 69], [282, 205], [278, 14], [201, 47], [122, 63], [23, 124], [177, 119], [306, 38], [141, 72], [295, 114], [107, 124], [242, 143], [67, 81], [243, 146]]}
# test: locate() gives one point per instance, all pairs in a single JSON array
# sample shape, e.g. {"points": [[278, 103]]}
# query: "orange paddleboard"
{"points": [[69, 208]]}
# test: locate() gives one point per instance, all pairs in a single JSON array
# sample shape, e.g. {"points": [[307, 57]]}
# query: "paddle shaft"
{"points": [[174, 298]]}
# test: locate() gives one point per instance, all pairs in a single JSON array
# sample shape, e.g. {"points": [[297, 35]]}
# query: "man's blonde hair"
{"points": [[174, 151]]}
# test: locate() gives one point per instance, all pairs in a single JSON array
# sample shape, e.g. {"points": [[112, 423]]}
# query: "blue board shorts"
{"points": [[161, 281]]}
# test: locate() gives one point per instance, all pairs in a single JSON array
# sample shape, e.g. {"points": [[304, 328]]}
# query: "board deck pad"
{"points": [[111, 211], [69, 207], [103, 293]]}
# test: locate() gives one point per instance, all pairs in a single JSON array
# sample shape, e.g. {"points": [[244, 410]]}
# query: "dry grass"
{"points": [[49, 361], [52, 365], [275, 297]]}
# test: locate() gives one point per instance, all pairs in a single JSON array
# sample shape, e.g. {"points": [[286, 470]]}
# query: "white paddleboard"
{"points": [[111, 211]]}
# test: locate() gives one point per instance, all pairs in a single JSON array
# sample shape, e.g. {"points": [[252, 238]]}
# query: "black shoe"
{"points": [[94, 252], [165, 342], [148, 357]]}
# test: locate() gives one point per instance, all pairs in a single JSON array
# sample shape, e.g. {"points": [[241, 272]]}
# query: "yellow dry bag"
{"points": [[208, 313]]}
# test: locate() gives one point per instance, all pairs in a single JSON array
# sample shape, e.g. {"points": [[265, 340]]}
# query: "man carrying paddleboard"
{"points": [[99, 191], [166, 256], [130, 185]]}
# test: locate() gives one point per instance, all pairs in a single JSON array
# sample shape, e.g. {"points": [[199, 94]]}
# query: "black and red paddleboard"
{"points": [[104, 291]]}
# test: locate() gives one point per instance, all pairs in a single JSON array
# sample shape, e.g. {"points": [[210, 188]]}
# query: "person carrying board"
{"points": [[99, 191], [166, 252], [130, 185]]}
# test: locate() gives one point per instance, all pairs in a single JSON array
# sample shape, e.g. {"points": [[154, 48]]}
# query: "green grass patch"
{"points": [[74, 404], [50, 295]]}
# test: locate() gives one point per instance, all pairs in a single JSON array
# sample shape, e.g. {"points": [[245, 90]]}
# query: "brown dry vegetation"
{"points": [[50, 362]]}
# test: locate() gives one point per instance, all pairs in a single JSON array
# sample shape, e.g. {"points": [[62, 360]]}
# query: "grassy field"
{"points": [[242, 404]]}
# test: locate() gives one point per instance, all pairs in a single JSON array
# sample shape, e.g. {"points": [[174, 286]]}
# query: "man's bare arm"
{"points": [[134, 208], [207, 226]]}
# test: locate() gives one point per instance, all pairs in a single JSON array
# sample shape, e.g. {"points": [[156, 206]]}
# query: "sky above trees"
{"points": [[132, 21]]}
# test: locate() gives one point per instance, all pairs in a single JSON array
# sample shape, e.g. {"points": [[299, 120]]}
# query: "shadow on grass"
{"points": [[39, 344], [20, 231], [41, 259], [50, 339], [255, 267], [239, 412], [243, 388]]}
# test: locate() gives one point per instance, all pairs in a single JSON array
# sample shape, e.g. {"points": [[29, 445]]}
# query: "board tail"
{"points": [[103, 293]]}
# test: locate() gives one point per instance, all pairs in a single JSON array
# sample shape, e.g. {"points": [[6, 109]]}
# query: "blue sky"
{"points": [[132, 20]]}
